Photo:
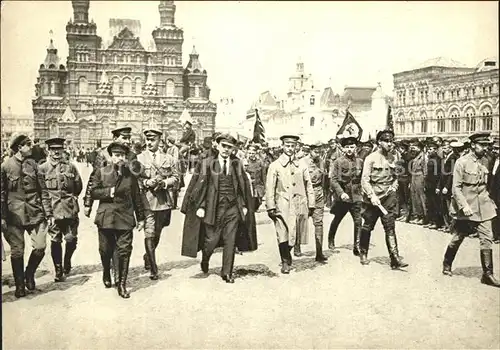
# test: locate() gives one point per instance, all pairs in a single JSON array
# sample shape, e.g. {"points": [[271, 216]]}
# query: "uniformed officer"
{"points": [[417, 167], [159, 179], [118, 192], [345, 185], [290, 200], [379, 184], [472, 207], [64, 185], [432, 191], [25, 206], [257, 171], [316, 172]]}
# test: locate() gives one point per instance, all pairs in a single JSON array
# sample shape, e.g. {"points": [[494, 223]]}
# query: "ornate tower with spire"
{"points": [[167, 37], [195, 78]]}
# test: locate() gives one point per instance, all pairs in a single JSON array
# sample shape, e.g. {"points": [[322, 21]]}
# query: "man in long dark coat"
{"points": [[217, 203]]}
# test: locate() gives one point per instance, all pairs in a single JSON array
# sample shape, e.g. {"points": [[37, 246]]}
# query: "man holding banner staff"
{"points": [[379, 185]]}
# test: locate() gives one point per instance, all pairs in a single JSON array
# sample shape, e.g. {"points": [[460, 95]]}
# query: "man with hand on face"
{"points": [[472, 207], [346, 188], [64, 185], [290, 200], [25, 206], [159, 178], [118, 192], [216, 203], [379, 184]]}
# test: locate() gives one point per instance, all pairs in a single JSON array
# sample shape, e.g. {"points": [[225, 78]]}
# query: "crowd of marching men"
{"points": [[407, 180]]}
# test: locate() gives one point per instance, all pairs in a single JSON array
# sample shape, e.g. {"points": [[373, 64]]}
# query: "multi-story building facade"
{"points": [[102, 87], [14, 124], [317, 114], [444, 97], [228, 116]]}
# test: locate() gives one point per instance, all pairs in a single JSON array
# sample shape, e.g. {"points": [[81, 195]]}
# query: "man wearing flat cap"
{"points": [[159, 179], [345, 185], [290, 200], [417, 167], [64, 185], [317, 174], [432, 192], [25, 206], [116, 188], [216, 204], [379, 184], [472, 207]]}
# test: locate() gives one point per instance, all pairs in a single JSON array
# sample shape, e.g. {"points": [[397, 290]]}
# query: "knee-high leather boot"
{"points": [[106, 270], [357, 233], [150, 252], [318, 236], [18, 272], [123, 263], [487, 263], [68, 254], [284, 252], [56, 253], [33, 263], [364, 244], [392, 247], [114, 262], [449, 256], [296, 249]]}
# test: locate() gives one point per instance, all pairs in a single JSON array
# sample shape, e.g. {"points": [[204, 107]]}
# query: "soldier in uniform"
{"points": [[494, 188], [159, 179], [257, 172], [417, 168], [316, 173], [119, 195], [173, 151], [290, 200], [432, 191], [64, 185], [472, 207], [346, 189], [25, 205], [216, 203], [379, 184]]}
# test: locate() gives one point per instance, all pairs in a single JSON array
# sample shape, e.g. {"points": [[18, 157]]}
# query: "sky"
{"points": [[250, 47]]}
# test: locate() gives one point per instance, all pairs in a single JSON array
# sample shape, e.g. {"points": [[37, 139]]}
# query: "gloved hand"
{"points": [[271, 213], [160, 186]]}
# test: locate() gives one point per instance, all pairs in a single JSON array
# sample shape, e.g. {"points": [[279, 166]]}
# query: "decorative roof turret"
{"points": [[51, 59], [194, 65], [150, 88], [104, 88]]}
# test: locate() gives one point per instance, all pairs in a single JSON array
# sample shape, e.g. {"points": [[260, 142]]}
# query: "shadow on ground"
{"points": [[8, 280], [241, 272], [469, 271], [47, 288]]}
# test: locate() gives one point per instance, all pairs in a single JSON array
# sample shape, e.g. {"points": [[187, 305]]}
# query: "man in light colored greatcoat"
{"points": [[290, 199]]}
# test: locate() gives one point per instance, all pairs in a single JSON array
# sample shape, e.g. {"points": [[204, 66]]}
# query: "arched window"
{"points": [[52, 87], [311, 121], [423, 122], [455, 120], [487, 118], [54, 129], [105, 128], [127, 86], [196, 91], [138, 59], [84, 134], [103, 58], [116, 86], [138, 86], [312, 99], [82, 86], [441, 123], [169, 88], [470, 122]]}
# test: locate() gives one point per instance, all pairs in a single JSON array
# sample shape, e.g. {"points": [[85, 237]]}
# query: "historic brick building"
{"points": [[14, 124], [444, 97], [106, 86]]}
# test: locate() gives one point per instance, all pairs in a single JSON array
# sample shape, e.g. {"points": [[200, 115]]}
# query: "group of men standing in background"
{"points": [[445, 185]]}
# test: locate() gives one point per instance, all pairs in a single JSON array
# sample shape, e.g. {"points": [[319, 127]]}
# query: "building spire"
{"points": [[81, 11], [167, 13]]}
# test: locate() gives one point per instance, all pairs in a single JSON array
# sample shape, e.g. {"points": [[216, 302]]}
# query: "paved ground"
{"points": [[339, 305]]}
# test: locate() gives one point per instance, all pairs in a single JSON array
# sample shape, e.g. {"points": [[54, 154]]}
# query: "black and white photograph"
{"points": [[249, 175]]}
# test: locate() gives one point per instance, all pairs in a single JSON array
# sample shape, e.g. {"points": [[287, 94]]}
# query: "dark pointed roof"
{"points": [[52, 59], [194, 65], [327, 98], [126, 40]]}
